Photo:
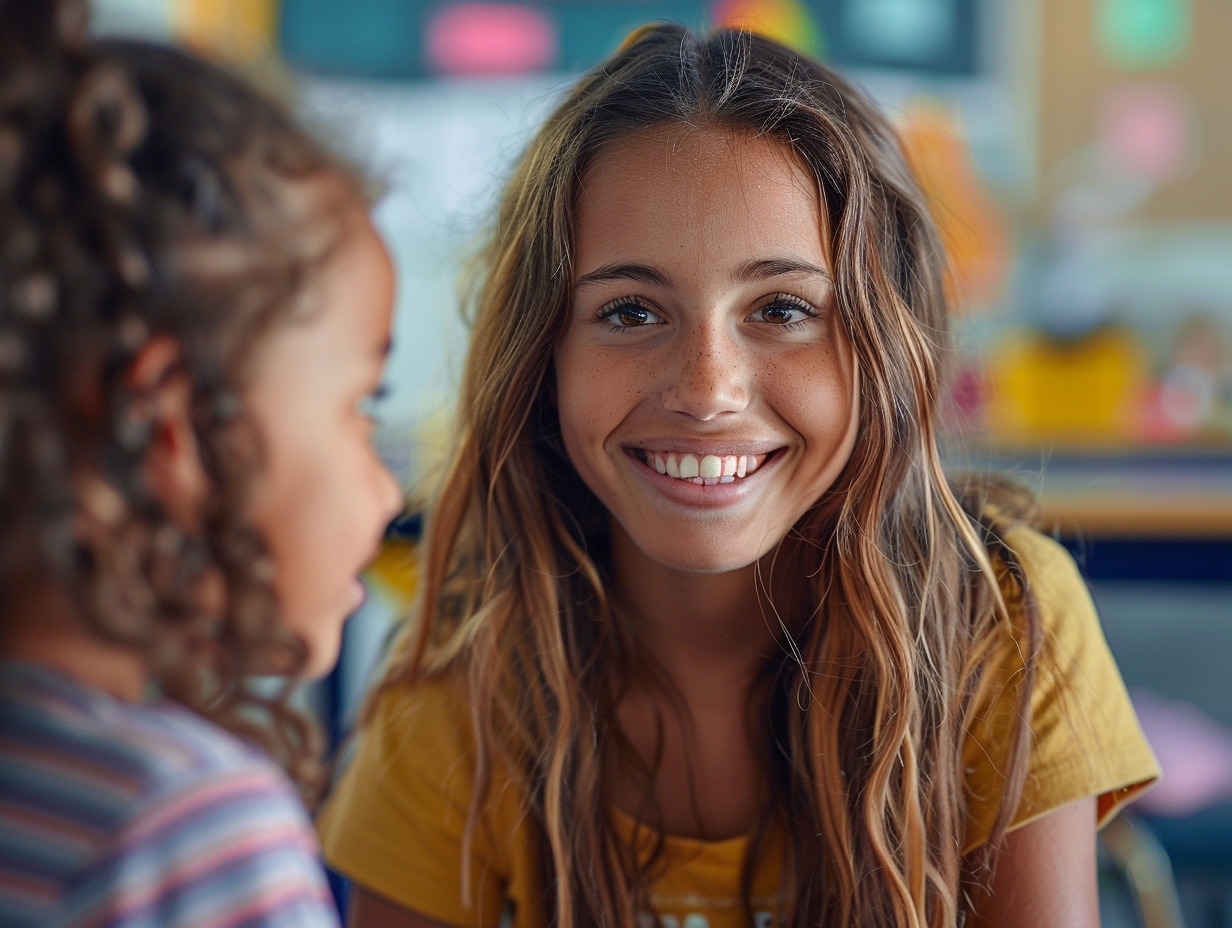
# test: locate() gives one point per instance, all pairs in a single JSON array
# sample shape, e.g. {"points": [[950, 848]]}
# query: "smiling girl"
{"points": [[708, 638]]}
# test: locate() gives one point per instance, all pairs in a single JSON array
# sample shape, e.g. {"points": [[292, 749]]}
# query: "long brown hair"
{"points": [[868, 706], [146, 193]]}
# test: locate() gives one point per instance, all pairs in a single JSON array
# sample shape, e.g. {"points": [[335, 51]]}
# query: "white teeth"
{"points": [[708, 469]]}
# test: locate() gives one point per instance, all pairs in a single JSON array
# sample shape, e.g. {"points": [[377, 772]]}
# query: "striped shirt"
{"points": [[120, 814]]}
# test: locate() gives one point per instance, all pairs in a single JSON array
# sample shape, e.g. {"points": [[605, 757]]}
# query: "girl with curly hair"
{"points": [[194, 316], [708, 638]]}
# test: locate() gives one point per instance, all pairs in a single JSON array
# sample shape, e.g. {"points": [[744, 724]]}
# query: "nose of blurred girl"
{"points": [[390, 494], [714, 377]]}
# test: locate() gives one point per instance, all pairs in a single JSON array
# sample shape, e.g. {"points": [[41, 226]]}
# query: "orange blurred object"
{"points": [[975, 234], [395, 572], [240, 30], [785, 21]]}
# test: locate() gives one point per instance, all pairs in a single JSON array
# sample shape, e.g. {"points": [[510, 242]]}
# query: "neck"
{"points": [[42, 627], [698, 626]]}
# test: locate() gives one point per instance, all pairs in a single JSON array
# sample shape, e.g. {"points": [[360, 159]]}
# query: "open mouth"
{"points": [[701, 469]]}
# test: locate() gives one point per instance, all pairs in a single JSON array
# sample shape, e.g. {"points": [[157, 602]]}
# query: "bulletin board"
{"points": [[1147, 73], [410, 39]]}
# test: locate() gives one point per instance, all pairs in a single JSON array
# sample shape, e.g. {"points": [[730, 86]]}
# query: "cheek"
{"points": [[595, 390], [580, 432], [299, 508], [278, 515], [819, 400]]}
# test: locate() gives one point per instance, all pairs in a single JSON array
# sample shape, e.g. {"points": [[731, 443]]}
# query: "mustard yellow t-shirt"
{"points": [[396, 820]]}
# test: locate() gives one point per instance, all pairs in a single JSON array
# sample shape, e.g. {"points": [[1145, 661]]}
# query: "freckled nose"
{"points": [[708, 375]]}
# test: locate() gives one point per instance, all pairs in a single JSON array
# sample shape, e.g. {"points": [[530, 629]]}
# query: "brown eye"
{"points": [[784, 310], [628, 314]]}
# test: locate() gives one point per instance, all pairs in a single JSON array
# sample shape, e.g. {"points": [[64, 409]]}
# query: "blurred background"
{"points": [[1078, 155]]}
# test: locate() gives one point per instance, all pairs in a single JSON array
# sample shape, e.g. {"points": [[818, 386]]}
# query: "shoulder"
{"points": [[220, 835], [402, 820], [74, 747], [1051, 613], [416, 731], [1068, 639], [230, 841], [128, 752], [435, 712], [1083, 734], [415, 745], [195, 770], [1049, 569], [163, 816], [183, 766]]}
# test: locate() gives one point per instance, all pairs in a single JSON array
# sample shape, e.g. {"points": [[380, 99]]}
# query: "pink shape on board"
{"points": [[490, 39], [1194, 750], [1146, 128]]}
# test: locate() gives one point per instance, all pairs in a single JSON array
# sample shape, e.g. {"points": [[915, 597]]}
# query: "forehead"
{"points": [[688, 187]]}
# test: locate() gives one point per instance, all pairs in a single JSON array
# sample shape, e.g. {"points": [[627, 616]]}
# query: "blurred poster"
{"points": [[233, 28], [907, 30], [1143, 34], [490, 39], [1146, 129], [972, 227], [786, 21], [149, 19]]}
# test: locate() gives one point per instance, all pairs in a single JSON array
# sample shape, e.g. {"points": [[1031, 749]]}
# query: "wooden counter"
{"points": [[1128, 494]]}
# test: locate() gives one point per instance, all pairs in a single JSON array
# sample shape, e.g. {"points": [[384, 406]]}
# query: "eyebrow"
{"points": [[640, 272], [748, 272], [779, 267]]}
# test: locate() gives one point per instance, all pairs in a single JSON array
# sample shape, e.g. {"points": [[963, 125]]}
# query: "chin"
{"points": [[321, 652], [703, 562], [321, 660]]}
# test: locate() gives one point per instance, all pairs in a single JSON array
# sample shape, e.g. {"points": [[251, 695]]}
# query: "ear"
{"points": [[172, 465]]}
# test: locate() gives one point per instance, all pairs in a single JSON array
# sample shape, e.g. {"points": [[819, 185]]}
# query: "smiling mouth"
{"points": [[701, 469]]}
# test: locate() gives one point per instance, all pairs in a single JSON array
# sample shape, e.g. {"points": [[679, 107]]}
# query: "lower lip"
{"points": [[698, 495]]}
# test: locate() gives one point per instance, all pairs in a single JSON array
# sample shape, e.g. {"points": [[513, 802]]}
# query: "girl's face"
{"points": [[323, 497], [706, 387]]}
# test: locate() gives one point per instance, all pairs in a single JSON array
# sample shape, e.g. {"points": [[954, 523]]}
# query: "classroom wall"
{"points": [[1079, 156]]}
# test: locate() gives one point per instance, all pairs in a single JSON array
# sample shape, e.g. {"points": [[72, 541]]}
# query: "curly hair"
{"points": [[146, 193]]}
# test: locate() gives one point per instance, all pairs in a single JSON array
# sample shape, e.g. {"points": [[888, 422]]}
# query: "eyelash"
{"points": [[789, 301], [781, 300], [615, 308]]}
